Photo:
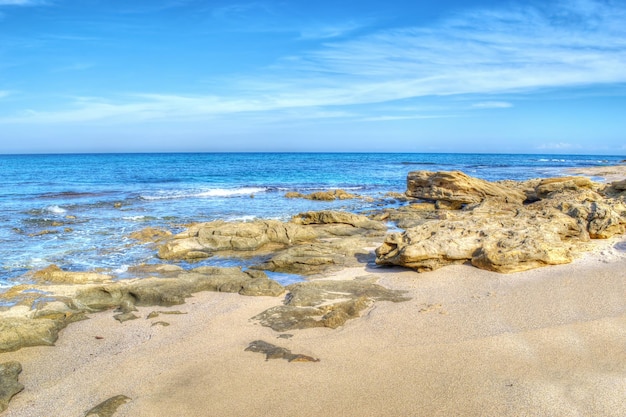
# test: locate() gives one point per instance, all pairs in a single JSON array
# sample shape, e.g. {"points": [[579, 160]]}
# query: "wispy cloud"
{"points": [[492, 105], [329, 31], [560, 146], [482, 53]]}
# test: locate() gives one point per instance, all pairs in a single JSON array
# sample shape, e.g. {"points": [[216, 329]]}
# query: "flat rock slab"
{"points": [[325, 303]]}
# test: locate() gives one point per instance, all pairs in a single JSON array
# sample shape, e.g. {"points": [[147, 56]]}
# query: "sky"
{"points": [[270, 75]]}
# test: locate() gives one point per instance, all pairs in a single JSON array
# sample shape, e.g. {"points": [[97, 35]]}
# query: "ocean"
{"points": [[78, 210]]}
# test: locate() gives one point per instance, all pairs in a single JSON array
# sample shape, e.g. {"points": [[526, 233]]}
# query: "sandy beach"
{"points": [[547, 342]]}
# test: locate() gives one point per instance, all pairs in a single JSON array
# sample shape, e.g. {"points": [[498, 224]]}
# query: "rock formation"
{"points": [[324, 195], [9, 385], [455, 189], [494, 230], [325, 303]]}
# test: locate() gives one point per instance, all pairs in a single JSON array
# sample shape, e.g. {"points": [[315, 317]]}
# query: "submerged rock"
{"points": [[54, 274], [324, 195], [325, 303], [9, 384]]}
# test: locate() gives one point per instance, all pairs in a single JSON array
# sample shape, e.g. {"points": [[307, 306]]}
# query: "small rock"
{"points": [[276, 352], [108, 407]]}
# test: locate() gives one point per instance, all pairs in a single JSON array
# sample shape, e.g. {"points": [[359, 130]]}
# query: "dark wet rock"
{"points": [[325, 303], [155, 314], [108, 407], [40, 329], [122, 317], [155, 270], [324, 195], [54, 274], [173, 291], [455, 189], [9, 384], [275, 352]]}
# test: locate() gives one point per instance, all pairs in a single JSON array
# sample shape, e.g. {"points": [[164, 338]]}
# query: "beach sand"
{"points": [[546, 342], [606, 173]]}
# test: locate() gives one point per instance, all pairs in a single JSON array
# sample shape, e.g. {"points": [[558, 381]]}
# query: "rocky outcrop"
{"points": [[173, 291], [455, 189], [267, 236], [202, 240], [315, 258], [501, 234], [9, 384], [40, 323], [548, 186], [324, 195], [150, 235], [325, 303], [359, 224]]}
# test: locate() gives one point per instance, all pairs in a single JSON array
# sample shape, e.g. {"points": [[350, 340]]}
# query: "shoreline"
{"points": [[541, 342]]}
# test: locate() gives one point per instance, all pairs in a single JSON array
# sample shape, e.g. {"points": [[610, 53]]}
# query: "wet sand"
{"points": [[547, 342]]}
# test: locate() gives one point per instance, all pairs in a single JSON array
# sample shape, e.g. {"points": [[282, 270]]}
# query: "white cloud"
{"points": [[492, 105]]}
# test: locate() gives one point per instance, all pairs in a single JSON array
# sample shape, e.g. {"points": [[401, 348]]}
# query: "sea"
{"points": [[78, 210]]}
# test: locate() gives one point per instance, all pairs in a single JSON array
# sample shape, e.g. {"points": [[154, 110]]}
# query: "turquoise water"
{"points": [[77, 210]]}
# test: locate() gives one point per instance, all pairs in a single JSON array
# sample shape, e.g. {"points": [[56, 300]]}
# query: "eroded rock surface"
{"points": [[457, 189], [205, 239], [9, 384], [324, 195], [500, 233], [325, 303]]}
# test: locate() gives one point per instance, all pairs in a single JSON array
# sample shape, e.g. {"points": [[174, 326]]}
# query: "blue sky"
{"points": [[271, 75]]}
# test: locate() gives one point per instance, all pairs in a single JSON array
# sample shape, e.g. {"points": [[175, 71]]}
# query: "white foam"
{"points": [[56, 210], [121, 269], [215, 192]]}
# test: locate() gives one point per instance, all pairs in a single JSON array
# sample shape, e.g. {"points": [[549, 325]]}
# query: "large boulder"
{"points": [[502, 238], [456, 189]]}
